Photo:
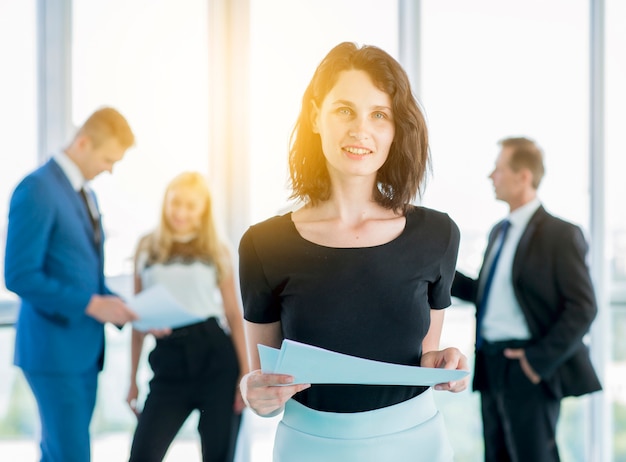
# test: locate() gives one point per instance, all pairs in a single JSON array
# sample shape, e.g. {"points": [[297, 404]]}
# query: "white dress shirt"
{"points": [[503, 319], [71, 170], [78, 182]]}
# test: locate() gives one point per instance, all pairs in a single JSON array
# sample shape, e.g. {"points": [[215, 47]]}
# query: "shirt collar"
{"points": [[71, 170], [520, 217]]}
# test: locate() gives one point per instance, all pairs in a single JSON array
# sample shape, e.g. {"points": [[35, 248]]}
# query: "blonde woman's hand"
{"points": [[131, 398]]}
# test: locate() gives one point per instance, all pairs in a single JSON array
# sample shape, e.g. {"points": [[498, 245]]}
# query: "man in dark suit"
{"points": [[54, 263], [533, 311]]}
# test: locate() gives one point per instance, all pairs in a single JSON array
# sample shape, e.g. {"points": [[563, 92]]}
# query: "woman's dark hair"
{"points": [[401, 177]]}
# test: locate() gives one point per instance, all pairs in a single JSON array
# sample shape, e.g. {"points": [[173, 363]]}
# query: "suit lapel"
{"points": [[72, 198], [525, 240]]}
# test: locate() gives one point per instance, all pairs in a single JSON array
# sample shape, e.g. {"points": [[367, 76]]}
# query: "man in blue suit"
{"points": [[535, 303], [54, 263]]}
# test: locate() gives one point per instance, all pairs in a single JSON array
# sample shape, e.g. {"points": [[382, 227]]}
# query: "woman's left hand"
{"points": [[239, 404], [450, 358]]}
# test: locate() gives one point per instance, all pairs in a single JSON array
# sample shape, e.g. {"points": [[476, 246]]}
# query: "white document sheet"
{"points": [[158, 309], [310, 364]]}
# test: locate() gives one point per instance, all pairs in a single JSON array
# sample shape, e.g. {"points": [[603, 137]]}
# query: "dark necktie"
{"points": [[504, 227], [93, 213]]}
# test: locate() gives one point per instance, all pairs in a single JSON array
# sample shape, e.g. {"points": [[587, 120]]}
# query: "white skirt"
{"points": [[411, 431]]}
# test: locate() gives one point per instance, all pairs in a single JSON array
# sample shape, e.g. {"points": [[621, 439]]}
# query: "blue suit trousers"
{"points": [[66, 403]]}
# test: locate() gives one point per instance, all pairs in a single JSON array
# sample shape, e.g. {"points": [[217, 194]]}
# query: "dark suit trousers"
{"points": [[519, 418], [194, 368]]}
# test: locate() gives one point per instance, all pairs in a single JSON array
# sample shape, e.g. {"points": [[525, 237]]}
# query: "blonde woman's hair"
{"points": [[206, 245]]}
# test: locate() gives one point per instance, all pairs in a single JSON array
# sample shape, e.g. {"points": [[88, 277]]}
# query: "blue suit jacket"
{"points": [[53, 265]]}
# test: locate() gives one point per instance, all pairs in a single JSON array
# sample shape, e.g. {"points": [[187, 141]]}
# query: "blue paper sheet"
{"points": [[310, 364], [158, 309]]}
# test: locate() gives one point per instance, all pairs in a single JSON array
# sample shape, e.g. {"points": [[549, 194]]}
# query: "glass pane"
{"points": [[18, 132], [154, 69], [493, 69], [18, 111], [615, 212]]}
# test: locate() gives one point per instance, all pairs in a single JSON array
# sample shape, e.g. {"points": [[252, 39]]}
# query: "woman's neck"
{"points": [[184, 238]]}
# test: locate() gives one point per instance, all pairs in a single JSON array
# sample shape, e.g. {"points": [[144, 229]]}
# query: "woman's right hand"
{"points": [[266, 394]]}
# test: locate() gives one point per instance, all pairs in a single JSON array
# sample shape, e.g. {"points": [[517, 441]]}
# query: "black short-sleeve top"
{"points": [[370, 302]]}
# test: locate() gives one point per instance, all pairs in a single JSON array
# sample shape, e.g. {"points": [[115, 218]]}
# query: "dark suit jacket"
{"points": [[53, 265], [553, 287]]}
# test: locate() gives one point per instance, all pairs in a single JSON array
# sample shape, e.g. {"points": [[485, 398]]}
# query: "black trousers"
{"points": [[194, 368], [519, 418]]}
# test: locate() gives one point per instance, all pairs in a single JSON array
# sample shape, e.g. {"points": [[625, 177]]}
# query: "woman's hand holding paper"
{"points": [[266, 394], [449, 358]]}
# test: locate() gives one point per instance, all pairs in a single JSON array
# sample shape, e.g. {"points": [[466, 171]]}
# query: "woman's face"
{"points": [[356, 126], [183, 210]]}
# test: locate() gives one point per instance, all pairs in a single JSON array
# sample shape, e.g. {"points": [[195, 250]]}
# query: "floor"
{"points": [[255, 445]]}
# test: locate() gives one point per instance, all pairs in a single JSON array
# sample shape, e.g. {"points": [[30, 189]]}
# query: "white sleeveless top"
{"points": [[193, 283]]}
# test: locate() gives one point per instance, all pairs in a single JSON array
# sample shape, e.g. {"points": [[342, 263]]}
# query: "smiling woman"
{"points": [[357, 160]]}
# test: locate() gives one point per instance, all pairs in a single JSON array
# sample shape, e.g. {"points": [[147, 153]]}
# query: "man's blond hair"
{"points": [[107, 123]]}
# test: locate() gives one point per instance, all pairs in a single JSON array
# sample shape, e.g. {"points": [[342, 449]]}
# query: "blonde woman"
{"points": [[196, 366]]}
